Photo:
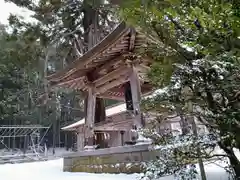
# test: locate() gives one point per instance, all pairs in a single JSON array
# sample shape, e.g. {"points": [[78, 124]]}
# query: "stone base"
{"points": [[126, 168], [123, 159]]}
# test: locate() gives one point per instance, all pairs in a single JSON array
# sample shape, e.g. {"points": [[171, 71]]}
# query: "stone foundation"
{"points": [[123, 159]]}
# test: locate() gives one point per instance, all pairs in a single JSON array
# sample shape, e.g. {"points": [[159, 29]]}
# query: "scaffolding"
{"points": [[31, 137]]}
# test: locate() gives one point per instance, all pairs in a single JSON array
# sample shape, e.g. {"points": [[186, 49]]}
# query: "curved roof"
{"points": [[94, 53], [110, 56]]}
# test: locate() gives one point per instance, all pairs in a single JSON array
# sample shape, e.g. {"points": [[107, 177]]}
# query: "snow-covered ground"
{"points": [[50, 170]]}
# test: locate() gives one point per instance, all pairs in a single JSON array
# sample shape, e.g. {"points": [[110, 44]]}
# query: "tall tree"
{"points": [[64, 28], [18, 78], [204, 35]]}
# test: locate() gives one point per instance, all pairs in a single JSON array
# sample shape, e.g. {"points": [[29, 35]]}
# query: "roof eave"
{"points": [[97, 49]]}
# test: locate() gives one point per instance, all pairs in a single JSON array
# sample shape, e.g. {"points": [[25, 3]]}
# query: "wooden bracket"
{"points": [[132, 39]]}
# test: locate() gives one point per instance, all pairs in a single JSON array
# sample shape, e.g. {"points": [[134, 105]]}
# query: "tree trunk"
{"points": [[183, 122], [90, 25], [235, 163], [54, 137], [54, 140], [200, 160]]}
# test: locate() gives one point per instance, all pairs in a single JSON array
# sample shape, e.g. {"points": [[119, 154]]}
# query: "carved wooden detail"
{"points": [[111, 69]]}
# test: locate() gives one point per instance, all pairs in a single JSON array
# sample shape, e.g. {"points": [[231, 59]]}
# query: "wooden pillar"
{"points": [[80, 141], [100, 140], [136, 97], [100, 114], [128, 97], [90, 117], [122, 137]]}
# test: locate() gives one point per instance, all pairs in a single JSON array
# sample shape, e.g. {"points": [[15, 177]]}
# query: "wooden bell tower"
{"points": [[112, 69]]}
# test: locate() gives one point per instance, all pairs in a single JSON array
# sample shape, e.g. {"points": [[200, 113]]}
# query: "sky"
{"points": [[7, 8]]}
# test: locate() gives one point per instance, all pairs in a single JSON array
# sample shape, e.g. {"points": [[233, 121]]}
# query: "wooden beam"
{"points": [[80, 85], [110, 85], [116, 48], [132, 39], [106, 96], [109, 128], [71, 81], [112, 62], [136, 96], [110, 76], [73, 85], [142, 71], [125, 124], [111, 48], [143, 68]]}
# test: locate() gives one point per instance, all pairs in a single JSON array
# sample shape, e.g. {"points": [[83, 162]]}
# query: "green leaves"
{"points": [[160, 74], [204, 38], [18, 58], [208, 24]]}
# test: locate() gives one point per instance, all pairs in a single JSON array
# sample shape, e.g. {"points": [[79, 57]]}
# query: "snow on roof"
{"points": [[109, 112], [74, 125], [113, 110]]}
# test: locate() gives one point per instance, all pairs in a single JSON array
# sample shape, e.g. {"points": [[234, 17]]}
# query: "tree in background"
{"points": [[18, 78], [62, 29]]}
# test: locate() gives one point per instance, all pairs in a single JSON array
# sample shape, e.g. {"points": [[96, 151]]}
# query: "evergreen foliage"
{"points": [[203, 38]]}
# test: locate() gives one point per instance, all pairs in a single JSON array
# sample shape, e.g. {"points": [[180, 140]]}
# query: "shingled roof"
{"points": [[109, 56]]}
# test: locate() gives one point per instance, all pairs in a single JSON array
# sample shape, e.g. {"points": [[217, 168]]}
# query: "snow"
{"points": [[109, 112], [213, 172], [49, 170], [74, 125], [157, 92], [59, 152], [237, 153]]}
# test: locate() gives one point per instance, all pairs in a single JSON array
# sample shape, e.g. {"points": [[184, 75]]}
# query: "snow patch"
{"points": [[49, 170]]}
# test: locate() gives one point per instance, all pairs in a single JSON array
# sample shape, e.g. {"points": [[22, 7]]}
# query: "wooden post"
{"points": [[100, 141], [122, 137], [90, 116], [136, 97], [128, 97], [100, 115], [80, 141]]}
